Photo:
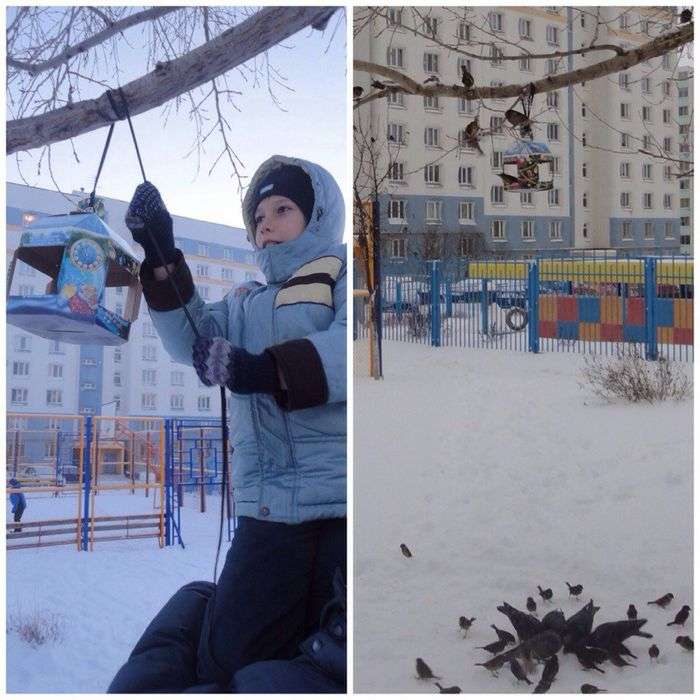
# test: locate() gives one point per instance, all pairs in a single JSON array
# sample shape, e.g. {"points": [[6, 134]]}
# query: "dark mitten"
{"points": [[217, 362], [150, 224]]}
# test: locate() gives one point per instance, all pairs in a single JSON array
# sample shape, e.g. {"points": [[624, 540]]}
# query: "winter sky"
{"points": [[313, 126]]}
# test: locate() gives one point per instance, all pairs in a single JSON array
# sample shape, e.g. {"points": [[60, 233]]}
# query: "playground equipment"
{"points": [[110, 455], [81, 256]]}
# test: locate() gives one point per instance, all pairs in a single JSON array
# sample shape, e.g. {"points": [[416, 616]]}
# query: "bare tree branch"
{"points": [[232, 48], [99, 38], [657, 47]]}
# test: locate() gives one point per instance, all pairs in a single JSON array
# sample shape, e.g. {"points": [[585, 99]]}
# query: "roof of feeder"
{"points": [[527, 148]]}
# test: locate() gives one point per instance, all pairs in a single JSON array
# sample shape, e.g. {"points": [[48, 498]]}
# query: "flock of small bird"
{"points": [[539, 641]]}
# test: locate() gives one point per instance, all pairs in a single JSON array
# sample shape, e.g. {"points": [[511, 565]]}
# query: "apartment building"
{"points": [[444, 199], [138, 377], [685, 141]]}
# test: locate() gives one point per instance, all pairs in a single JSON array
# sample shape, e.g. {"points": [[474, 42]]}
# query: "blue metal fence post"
{"points": [[448, 299], [435, 302], [398, 300], [651, 349], [168, 482], [87, 449], [533, 314], [485, 306]]}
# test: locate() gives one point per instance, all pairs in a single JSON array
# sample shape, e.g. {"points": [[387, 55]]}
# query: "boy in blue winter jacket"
{"points": [[280, 348]]}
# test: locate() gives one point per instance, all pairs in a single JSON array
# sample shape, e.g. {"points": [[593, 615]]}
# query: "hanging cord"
{"points": [[121, 114]]}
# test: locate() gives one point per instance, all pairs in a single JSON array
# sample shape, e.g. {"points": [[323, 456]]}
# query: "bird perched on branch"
{"points": [[520, 121], [406, 551], [378, 85], [681, 616], [467, 78], [471, 135], [357, 92], [663, 601], [686, 16]]}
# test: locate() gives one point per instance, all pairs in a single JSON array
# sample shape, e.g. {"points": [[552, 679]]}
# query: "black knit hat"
{"points": [[288, 181]]}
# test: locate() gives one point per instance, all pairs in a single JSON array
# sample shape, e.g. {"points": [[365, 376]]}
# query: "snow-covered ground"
{"points": [[102, 599], [500, 473]]}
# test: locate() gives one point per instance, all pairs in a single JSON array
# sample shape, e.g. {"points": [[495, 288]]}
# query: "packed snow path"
{"points": [[500, 474]]}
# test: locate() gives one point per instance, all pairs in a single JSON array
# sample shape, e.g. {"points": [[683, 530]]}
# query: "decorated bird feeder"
{"points": [[528, 157], [82, 256]]}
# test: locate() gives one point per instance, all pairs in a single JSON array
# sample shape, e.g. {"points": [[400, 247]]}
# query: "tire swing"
{"points": [[516, 318]]}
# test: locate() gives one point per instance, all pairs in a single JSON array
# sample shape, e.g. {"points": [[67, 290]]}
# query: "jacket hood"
{"points": [[323, 231]]}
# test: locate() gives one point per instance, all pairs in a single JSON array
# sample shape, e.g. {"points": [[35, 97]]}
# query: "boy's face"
{"points": [[277, 219]]}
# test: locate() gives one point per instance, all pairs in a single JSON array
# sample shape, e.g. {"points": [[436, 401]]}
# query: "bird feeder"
{"points": [[83, 257], [527, 157]]}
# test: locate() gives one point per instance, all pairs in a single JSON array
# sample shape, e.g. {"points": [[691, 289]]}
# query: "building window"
{"points": [[203, 403], [685, 239], [55, 348], [646, 113], [431, 136], [202, 250], [465, 175], [393, 16], [584, 200], [177, 402], [177, 379], [685, 221], [433, 210], [666, 61], [584, 111], [54, 397], [646, 85], [646, 171], [431, 102], [55, 371], [668, 230], [431, 26], [117, 379], [625, 200], [552, 35], [624, 140], [584, 229], [584, 169], [584, 141], [626, 231], [88, 362], [526, 198], [668, 146], [648, 230], [498, 230], [20, 369], [525, 63], [553, 198], [148, 402], [527, 230], [666, 116], [496, 160], [553, 99], [466, 212], [148, 377], [396, 172], [397, 209], [550, 66], [496, 21], [552, 131], [668, 201], [117, 355], [23, 343], [623, 80], [685, 203], [556, 165], [625, 110], [202, 270], [683, 92], [396, 133], [431, 174], [464, 31], [496, 125], [497, 195], [525, 28], [148, 330], [465, 106], [555, 231], [647, 200], [431, 63], [227, 274], [624, 21], [148, 353], [666, 88], [496, 56], [398, 247], [87, 386], [19, 396], [395, 99]]}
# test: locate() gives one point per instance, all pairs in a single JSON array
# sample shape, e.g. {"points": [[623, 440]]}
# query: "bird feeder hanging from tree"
{"points": [[528, 157], [82, 256]]}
